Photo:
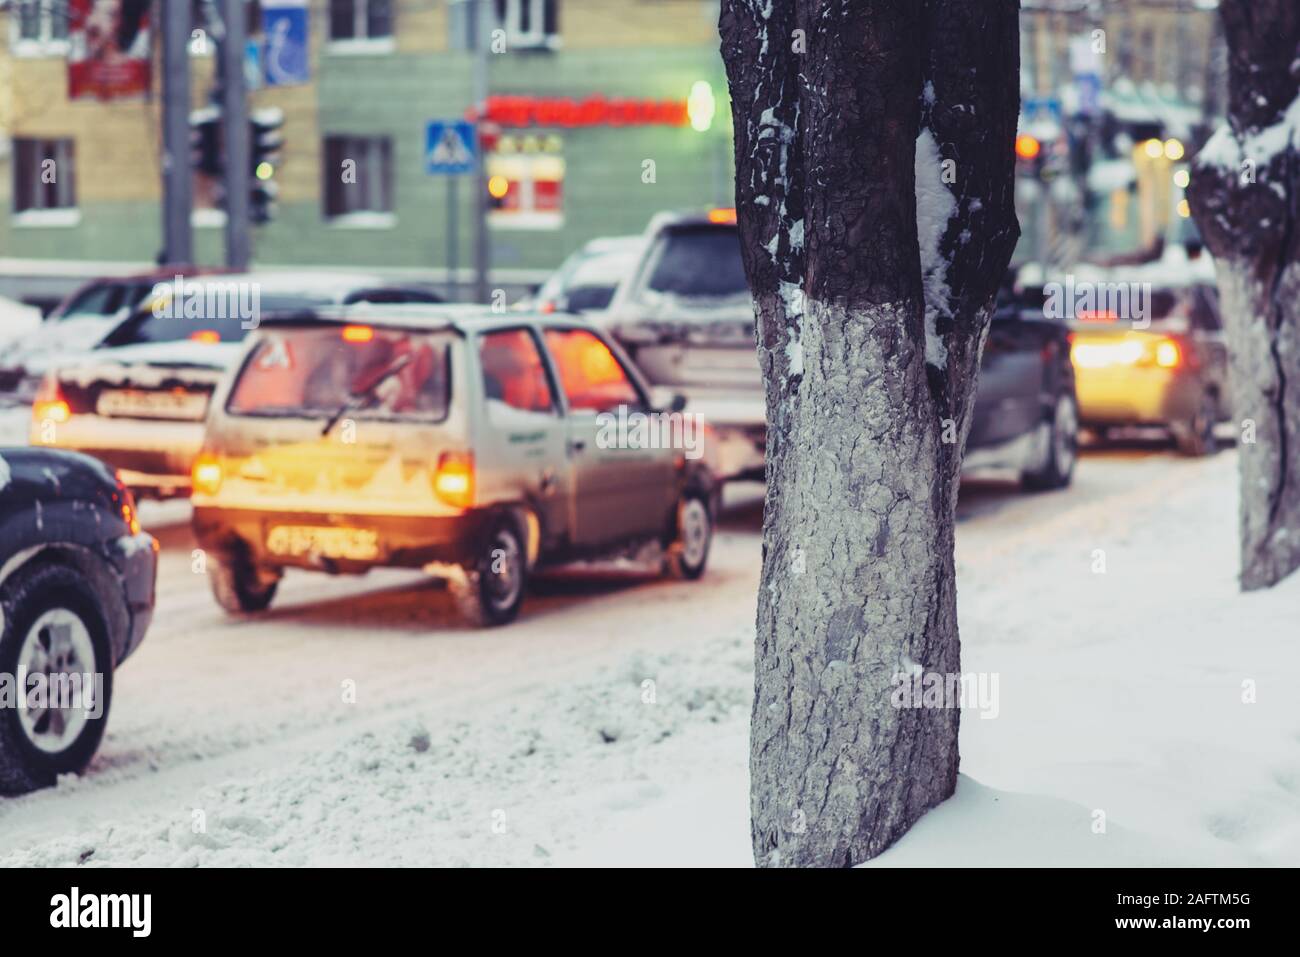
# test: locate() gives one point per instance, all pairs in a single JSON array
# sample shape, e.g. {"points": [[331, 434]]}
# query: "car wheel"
{"points": [[689, 553], [53, 627], [240, 588], [494, 586], [1196, 436], [1060, 441]]}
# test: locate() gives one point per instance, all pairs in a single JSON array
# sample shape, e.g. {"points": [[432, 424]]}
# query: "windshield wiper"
{"points": [[356, 398]]}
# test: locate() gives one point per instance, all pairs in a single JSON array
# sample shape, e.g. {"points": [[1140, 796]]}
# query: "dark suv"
{"points": [[685, 315], [77, 591]]}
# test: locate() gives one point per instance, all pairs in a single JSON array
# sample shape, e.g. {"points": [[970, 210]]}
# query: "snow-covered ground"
{"points": [[609, 725]]}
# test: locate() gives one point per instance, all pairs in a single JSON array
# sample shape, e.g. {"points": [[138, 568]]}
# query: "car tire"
{"points": [[238, 587], [689, 553], [497, 579], [52, 619], [1062, 448], [1196, 436]]}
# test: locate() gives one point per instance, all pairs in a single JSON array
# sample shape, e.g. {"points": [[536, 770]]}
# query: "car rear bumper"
{"points": [[736, 421], [403, 541], [1125, 396], [153, 456], [136, 559]]}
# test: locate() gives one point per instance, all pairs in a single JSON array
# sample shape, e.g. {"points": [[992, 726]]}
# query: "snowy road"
{"points": [[610, 724]]}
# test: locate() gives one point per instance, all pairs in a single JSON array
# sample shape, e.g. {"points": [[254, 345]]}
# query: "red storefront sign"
{"points": [[567, 112], [108, 48]]}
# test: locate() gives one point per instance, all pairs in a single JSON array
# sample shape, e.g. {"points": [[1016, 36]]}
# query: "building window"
{"points": [[361, 22], [358, 188], [45, 178], [529, 23], [39, 27], [526, 181]]}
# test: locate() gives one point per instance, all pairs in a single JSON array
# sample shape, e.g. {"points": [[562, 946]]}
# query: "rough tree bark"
{"points": [[870, 326], [1244, 193]]}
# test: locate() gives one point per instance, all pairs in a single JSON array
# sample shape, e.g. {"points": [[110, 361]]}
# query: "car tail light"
{"points": [[1168, 355], [49, 404], [722, 217], [453, 482], [358, 333], [206, 475], [206, 336], [128, 505], [547, 306], [129, 516]]}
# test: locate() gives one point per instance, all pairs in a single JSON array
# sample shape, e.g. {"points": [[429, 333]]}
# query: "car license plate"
{"points": [[295, 541], [139, 403]]}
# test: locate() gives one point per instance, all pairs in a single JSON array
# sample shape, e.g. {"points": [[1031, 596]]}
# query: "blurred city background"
{"points": [[599, 114]]}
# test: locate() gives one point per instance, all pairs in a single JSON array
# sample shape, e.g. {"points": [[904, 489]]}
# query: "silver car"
{"points": [[467, 443]]}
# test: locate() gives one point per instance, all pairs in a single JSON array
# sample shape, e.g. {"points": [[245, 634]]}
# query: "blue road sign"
{"points": [[449, 147], [284, 23]]}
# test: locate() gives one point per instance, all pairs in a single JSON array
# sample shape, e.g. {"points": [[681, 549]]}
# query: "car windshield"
{"points": [[698, 261], [314, 372], [225, 315]]}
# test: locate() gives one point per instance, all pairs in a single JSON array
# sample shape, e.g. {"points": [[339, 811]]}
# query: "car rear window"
{"points": [[311, 372], [698, 262]]}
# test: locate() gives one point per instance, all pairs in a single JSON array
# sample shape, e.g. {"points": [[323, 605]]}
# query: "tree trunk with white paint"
{"points": [[875, 196], [1245, 194]]}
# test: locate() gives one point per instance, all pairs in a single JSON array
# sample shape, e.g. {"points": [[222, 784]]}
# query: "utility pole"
{"points": [[235, 133], [178, 246], [482, 251]]}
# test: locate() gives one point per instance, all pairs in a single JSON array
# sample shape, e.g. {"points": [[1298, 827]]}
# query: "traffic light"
{"points": [[265, 141], [1031, 156], [205, 141]]}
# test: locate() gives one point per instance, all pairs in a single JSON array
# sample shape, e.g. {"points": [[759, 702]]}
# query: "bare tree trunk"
{"points": [[1244, 193], [870, 325]]}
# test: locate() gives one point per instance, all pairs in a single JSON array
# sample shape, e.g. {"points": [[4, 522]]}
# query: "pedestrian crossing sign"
{"points": [[449, 149]]}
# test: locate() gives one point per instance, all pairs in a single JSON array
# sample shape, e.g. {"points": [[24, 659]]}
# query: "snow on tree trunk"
{"points": [[874, 190], [1244, 193]]}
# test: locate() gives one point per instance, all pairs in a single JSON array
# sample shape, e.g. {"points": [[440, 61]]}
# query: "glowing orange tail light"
{"points": [[358, 333], [52, 411], [206, 475], [206, 336], [453, 482], [1168, 355], [129, 516], [49, 404], [723, 217]]}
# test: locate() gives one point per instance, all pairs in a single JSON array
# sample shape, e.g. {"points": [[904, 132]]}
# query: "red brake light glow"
{"points": [[1168, 355]]}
